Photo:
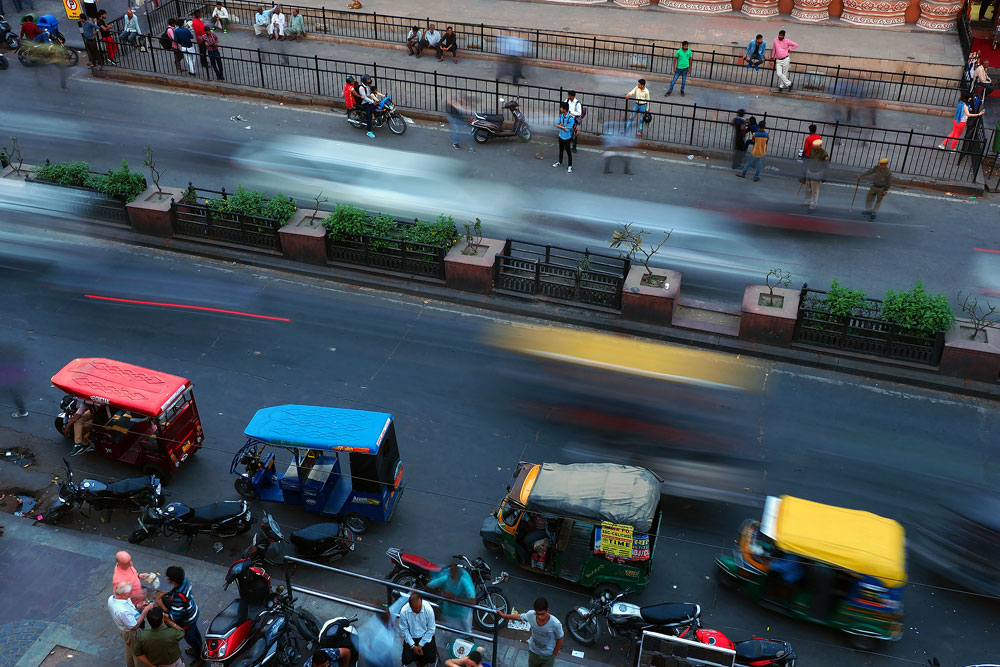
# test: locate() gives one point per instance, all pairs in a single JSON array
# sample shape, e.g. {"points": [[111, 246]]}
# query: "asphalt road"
{"points": [[833, 438], [930, 236]]}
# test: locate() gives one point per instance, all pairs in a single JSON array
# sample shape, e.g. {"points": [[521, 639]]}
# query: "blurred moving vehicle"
{"points": [[592, 524], [142, 417], [842, 568]]}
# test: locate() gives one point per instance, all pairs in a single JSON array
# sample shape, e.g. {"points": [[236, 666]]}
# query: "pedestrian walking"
{"points": [[159, 644], [618, 142], [91, 33], [125, 572], [90, 9], [739, 139], [183, 610], [757, 153], [416, 624], [377, 641], [174, 46], [198, 27], [808, 145], [546, 637], [413, 39], [881, 182], [781, 52], [126, 617], [220, 17], [641, 95], [184, 36], [577, 111], [565, 126], [755, 53], [262, 20], [296, 25], [962, 115], [456, 584], [513, 48], [816, 167], [457, 111], [682, 57], [213, 52]]}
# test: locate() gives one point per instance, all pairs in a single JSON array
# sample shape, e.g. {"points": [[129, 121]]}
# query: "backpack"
{"points": [[165, 41]]}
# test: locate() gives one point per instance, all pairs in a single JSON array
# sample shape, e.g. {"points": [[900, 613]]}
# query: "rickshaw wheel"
{"points": [[861, 642], [493, 548], [244, 487], [357, 524], [153, 469], [725, 579], [612, 589]]}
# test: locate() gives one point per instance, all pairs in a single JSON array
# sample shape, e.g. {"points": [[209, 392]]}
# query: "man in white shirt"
{"points": [[431, 39], [576, 111], [416, 624], [277, 27], [130, 28], [221, 17], [546, 637], [127, 619]]}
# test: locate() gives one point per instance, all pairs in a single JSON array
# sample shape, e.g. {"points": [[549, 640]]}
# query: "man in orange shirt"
{"points": [[125, 572]]}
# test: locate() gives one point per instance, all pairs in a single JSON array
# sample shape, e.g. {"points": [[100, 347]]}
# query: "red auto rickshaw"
{"points": [[140, 416]]}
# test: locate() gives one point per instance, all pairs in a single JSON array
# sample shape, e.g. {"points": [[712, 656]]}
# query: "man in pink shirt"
{"points": [[781, 55], [125, 572]]}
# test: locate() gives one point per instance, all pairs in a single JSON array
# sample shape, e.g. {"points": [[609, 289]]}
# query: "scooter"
{"points": [[8, 36], [283, 635], [4, 63], [756, 652], [241, 624], [628, 620], [323, 542], [384, 114], [224, 519], [339, 632], [413, 571], [486, 126], [132, 494]]}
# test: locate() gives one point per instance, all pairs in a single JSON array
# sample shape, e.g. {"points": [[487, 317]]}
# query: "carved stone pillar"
{"points": [[811, 10], [886, 13], [700, 6], [760, 7], [632, 4], [939, 16]]}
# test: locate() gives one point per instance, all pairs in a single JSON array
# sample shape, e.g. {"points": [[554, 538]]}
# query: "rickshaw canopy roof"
{"points": [[852, 539], [134, 388], [592, 492], [326, 429]]}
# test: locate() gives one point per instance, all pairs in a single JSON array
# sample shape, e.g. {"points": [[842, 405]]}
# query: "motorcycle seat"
{"points": [[760, 649], [492, 117], [230, 617], [215, 512], [130, 485], [669, 613], [316, 534], [419, 563]]}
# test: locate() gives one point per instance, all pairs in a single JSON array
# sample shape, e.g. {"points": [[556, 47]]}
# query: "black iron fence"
{"points": [[640, 56], [863, 333], [586, 277], [198, 218], [686, 126], [88, 202], [389, 254]]}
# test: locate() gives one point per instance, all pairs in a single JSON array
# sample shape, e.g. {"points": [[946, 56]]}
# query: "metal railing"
{"points": [[687, 126], [863, 333], [204, 221], [87, 201], [389, 254], [640, 56], [586, 277]]}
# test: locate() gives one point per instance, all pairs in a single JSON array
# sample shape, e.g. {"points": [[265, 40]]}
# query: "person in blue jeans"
{"points": [[641, 95], [683, 56], [755, 53], [565, 127], [757, 153]]}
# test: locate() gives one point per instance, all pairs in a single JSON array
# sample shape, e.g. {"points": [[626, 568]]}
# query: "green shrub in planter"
{"points": [[123, 183], [346, 223], [916, 309], [254, 203], [843, 301], [280, 207], [442, 232], [64, 173]]}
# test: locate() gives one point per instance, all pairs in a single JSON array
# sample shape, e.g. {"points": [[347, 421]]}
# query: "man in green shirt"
{"points": [[683, 56], [296, 26], [455, 583], [159, 646]]}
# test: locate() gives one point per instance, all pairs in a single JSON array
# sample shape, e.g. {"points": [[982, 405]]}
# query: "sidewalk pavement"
{"points": [[57, 582]]}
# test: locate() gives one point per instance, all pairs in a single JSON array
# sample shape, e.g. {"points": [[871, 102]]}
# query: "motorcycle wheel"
{"points": [[407, 579], [244, 487], [244, 526], [308, 626], [525, 134], [138, 537], [12, 42], [357, 524], [4, 64], [22, 55], [72, 57], [493, 548], [584, 631], [354, 118], [397, 124], [480, 135], [492, 600]]}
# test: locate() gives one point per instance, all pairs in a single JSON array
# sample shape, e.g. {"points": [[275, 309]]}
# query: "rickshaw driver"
{"points": [[81, 422]]}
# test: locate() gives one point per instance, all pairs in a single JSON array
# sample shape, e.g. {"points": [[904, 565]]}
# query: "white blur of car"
{"points": [[383, 180]]}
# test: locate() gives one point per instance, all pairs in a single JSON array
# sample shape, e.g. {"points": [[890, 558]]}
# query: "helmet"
{"points": [[365, 78], [349, 79]]}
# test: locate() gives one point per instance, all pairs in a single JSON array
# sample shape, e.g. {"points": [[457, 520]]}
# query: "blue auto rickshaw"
{"points": [[366, 492]]}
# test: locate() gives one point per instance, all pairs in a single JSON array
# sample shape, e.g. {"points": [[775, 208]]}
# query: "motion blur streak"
{"points": [[186, 307], [631, 356]]}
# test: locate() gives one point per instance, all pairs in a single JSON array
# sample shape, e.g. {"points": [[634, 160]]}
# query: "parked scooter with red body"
{"points": [[756, 652]]}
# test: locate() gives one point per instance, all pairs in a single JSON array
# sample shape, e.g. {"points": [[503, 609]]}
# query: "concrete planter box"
{"points": [[303, 237], [971, 359], [771, 324], [150, 213], [651, 305], [472, 273]]}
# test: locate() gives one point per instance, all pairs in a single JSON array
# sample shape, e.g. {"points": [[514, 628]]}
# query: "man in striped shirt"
{"points": [[181, 607]]}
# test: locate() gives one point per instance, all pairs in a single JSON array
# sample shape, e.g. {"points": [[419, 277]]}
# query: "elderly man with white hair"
{"points": [[127, 619]]}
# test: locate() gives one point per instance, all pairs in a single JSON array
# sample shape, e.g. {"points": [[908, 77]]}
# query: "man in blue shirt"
{"points": [[89, 30], [455, 583], [565, 127], [755, 52]]}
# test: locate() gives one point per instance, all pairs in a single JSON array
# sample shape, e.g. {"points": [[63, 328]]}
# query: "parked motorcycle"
{"points": [[486, 126], [340, 633], [413, 571], [756, 652], [384, 114], [4, 63], [283, 636], [132, 494], [323, 542], [8, 36], [224, 519], [628, 620]]}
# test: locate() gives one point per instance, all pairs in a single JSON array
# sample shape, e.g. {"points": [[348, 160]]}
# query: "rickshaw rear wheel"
{"points": [[153, 469], [60, 424], [861, 642], [357, 524], [493, 547], [244, 487], [612, 589], [726, 580]]}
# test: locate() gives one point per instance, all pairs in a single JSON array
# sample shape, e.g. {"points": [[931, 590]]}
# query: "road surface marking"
{"points": [[186, 307]]}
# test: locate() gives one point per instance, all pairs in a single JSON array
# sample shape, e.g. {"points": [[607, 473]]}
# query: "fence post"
{"points": [[711, 65], [694, 111], [319, 89], [536, 44], [152, 49], [260, 68], [906, 154], [836, 80], [774, 71], [538, 277], [833, 141], [652, 57], [593, 51], [482, 38], [326, 28], [375, 24], [902, 82], [437, 93]]}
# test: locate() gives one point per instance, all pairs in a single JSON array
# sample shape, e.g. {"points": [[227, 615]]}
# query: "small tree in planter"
{"points": [[774, 278], [981, 317], [634, 243], [474, 238], [155, 173], [12, 156]]}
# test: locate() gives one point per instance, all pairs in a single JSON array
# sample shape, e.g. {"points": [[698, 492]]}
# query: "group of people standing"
{"points": [[185, 39]]}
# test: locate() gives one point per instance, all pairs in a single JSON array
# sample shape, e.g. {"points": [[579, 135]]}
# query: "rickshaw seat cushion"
{"points": [[316, 534], [421, 563], [319, 474], [666, 613], [214, 512], [128, 485]]}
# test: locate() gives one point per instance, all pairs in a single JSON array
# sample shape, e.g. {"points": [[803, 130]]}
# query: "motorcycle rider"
{"points": [[367, 103], [323, 657], [350, 100]]}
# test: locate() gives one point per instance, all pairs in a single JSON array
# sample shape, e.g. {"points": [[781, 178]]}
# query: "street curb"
{"points": [[529, 307]]}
